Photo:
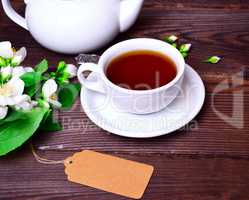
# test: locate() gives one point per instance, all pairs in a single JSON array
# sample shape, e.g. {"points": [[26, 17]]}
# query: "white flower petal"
{"points": [[26, 106], [3, 101], [5, 44], [17, 86], [9, 101], [18, 71], [19, 56], [16, 60], [34, 103], [3, 112], [21, 52], [49, 88], [20, 99], [28, 69], [55, 103], [172, 38], [5, 50], [71, 70]]}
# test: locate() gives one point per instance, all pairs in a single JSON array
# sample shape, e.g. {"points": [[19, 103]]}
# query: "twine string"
{"points": [[41, 160]]}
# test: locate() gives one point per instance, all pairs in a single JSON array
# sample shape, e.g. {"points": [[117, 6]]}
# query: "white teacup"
{"points": [[134, 101]]}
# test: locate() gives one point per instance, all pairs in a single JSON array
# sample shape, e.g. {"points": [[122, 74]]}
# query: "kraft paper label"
{"points": [[109, 173]]}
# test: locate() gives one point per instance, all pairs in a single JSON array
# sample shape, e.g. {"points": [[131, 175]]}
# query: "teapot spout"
{"points": [[129, 11]]}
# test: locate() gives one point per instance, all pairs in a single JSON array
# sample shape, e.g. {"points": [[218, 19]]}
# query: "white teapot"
{"points": [[74, 26]]}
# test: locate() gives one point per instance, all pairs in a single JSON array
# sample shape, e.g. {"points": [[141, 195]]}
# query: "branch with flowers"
{"points": [[28, 96]]}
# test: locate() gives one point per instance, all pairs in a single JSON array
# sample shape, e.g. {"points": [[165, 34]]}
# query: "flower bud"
{"points": [[71, 70], [6, 72], [185, 47]]}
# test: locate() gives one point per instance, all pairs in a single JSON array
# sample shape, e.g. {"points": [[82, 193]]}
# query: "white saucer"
{"points": [[179, 113]]}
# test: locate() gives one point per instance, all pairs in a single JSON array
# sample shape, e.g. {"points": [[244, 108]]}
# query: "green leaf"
{"points": [[174, 45], [63, 78], [31, 78], [213, 60], [52, 75], [32, 90], [8, 61], [15, 133], [32, 82], [68, 93], [49, 124], [61, 66], [42, 66], [12, 116], [184, 54]]}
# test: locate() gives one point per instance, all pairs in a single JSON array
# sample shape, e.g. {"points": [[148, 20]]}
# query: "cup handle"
{"points": [[94, 85]]}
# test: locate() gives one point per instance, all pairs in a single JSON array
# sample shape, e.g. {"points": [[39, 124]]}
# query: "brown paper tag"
{"points": [[109, 173]]}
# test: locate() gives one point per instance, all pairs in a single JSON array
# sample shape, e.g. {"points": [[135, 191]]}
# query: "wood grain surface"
{"points": [[206, 160]]}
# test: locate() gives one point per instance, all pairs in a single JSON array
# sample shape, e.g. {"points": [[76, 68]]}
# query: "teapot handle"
{"points": [[13, 15]]}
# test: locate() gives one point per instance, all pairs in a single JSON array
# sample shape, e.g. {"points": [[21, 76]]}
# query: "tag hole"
{"points": [[70, 162]]}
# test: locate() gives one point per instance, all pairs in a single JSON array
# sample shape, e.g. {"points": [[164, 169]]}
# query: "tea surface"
{"points": [[141, 70]]}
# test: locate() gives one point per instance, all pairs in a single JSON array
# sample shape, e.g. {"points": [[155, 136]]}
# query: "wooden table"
{"points": [[208, 160]]}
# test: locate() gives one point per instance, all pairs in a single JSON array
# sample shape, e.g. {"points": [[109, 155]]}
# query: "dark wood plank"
{"points": [[206, 160], [175, 178]]}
